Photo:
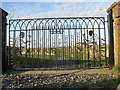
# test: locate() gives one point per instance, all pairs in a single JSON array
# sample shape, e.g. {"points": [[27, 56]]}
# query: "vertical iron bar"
{"points": [[29, 48], [20, 46], [32, 48], [33, 44], [29, 43], [38, 48], [56, 50], [99, 45], [93, 47], [9, 57], [84, 43], [105, 40], [26, 43], [35, 48], [88, 47], [69, 43], [44, 43], [40, 53], [50, 43], [63, 43], [14, 42], [81, 48], [75, 44], [26, 50], [36, 62]]}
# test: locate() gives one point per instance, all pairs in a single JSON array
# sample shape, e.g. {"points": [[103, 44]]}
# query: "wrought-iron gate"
{"points": [[57, 43]]}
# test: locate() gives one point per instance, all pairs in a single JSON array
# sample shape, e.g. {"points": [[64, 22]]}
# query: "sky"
{"points": [[28, 9]]}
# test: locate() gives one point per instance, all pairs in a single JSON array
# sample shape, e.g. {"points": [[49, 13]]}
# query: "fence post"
{"points": [[115, 8], [3, 34]]}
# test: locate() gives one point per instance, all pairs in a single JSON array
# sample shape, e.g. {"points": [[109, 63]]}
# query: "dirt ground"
{"points": [[84, 71]]}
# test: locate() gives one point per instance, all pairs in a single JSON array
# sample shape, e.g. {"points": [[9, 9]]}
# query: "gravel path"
{"points": [[51, 80]]}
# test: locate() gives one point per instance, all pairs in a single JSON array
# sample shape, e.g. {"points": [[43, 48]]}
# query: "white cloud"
{"points": [[23, 11], [57, 0], [61, 10]]}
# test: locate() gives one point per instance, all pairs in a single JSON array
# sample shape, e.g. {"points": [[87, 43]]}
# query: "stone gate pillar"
{"points": [[115, 9], [3, 34]]}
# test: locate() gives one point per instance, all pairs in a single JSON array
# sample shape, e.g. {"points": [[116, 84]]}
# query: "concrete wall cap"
{"points": [[112, 6]]}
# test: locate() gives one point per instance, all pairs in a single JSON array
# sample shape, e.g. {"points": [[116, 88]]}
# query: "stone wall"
{"points": [[115, 7]]}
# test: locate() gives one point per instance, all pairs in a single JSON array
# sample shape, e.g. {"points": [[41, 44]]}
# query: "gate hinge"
{"points": [[7, 24], [106, 21]]}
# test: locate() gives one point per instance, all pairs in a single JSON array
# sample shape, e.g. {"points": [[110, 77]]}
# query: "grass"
{"points": [[67, 54], [106, 83], [28, 62], [116, 69], [71, 55]]}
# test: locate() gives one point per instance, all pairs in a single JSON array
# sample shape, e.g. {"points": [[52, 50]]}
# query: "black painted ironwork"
{"points": [[57, 43]]}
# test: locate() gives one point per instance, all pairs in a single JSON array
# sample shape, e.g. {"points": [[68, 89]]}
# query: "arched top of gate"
{"points": [[56, 23]]}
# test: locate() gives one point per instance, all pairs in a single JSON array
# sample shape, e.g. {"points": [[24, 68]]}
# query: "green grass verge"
{"points": [[106, 83]]}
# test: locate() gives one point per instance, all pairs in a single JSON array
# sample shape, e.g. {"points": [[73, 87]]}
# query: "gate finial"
{"points": [[101, 11], [11, 13]]}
